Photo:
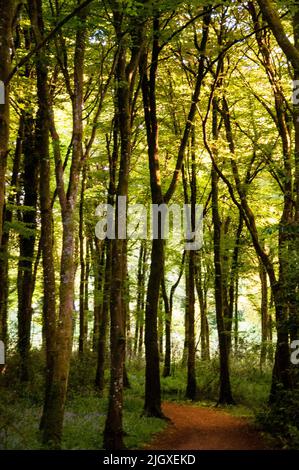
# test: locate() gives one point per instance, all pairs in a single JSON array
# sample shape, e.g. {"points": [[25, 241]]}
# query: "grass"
{"points": [[83, 423], [21, 407]]}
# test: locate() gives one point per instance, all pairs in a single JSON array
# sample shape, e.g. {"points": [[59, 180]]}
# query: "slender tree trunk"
{"points": [[101, 359], [105, 310], [125, 76], [7, 12], [152, 404], [190, 307], [140, 290], [225, 395], [202, 298], [86, 290], [53, 419], [42, 149], [281, 370], [186, 331], [98, 262], [4, 271], [167, 359], [264, 314], [232, 285], [236, 317], [82, 312], [191, 389], [142, 304], [168, 319], [27, 244], [126, 317], [160, 327], [288, 233]]}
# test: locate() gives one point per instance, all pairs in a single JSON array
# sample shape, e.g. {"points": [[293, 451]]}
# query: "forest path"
{"points": [[205, 429]]}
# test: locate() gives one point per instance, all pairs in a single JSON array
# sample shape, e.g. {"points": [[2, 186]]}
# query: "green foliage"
{"points": [[20, 408], [282, 419]]}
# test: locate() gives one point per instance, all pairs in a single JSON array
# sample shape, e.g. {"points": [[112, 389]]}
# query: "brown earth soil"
{"points": [[205, 429]]}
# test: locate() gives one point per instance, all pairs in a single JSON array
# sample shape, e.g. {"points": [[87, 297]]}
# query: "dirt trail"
{"points": [[205, 429]]}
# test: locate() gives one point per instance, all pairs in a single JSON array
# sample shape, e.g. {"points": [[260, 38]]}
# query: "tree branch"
{"points": [[46, 39]]}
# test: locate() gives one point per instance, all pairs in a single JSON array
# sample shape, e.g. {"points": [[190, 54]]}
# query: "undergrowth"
{"points": [[21, 405]]}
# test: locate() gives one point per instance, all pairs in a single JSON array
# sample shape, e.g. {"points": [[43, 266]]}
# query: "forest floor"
{"points": [[198, 428]]}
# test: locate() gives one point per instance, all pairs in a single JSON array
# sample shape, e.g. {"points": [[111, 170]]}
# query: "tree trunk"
{"points": [[98, 263], [191, 389], [105, 309], [27, 243], [152, 406], [281, 371], [236, 317], [202, 298], [168, 319], [288, 233], [167, 359], [82, 312], [53, 419], [264, 315], [160, 327], [42, 149], [190, 312], [6, 19], [126, 317], [104, 315], [125, 76], [225, 395], [139, 319], [86, 290], [4, 254]]}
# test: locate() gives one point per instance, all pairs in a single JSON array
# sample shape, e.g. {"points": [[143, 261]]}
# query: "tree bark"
{"points": [[152, 405], [264, 314], [53, 419], [281, 370], [82, 311], [168, 319], [105, 310], [6, 19], [201, 289], [167, 358], [139, 320], [225, 394], [47, 240], [288, 229], [103, 325], [125, 78], [26, 279], [8, 214]]}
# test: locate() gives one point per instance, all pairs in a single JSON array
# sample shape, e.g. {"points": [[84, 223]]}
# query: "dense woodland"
{"points": [[164, 102]]}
